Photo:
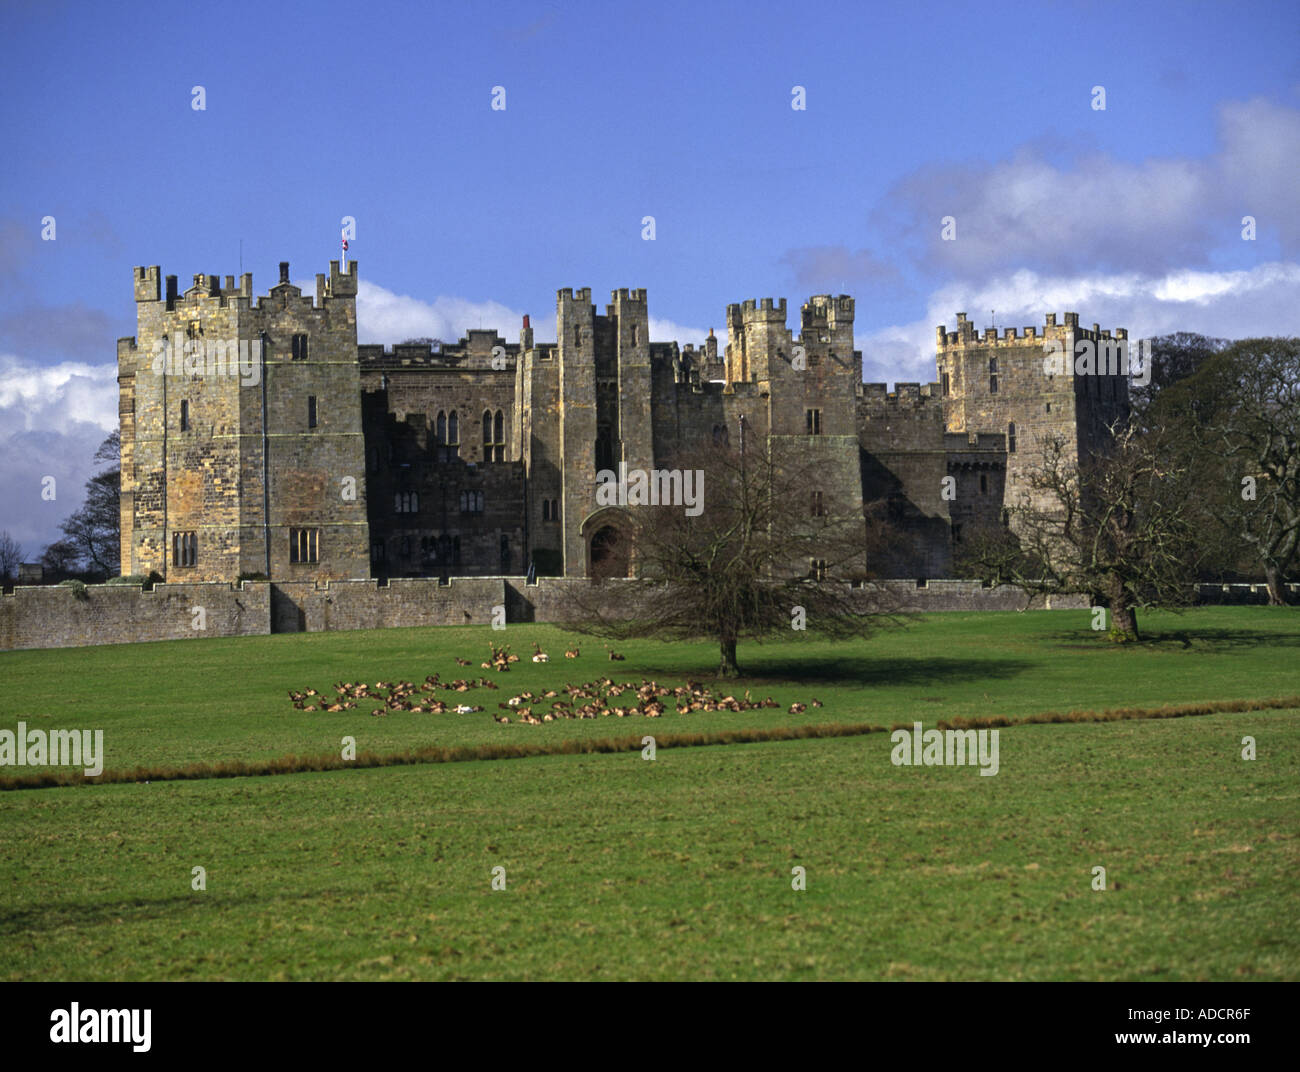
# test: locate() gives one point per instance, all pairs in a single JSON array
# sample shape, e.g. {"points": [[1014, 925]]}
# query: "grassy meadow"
{"points": [[619, 868]]}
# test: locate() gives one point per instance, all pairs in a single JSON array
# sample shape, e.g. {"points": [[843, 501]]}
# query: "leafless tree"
{"points": [[776, 546], [1120, 527]]}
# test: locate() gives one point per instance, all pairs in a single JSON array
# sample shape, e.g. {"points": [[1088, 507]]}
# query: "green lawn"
{"points": [[178, 702], [679, 868], [621, 868]]}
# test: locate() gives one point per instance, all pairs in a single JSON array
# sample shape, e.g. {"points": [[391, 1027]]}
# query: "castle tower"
{"points": [[575, 327], [241, 428], [632, 324], [1031, 386]]}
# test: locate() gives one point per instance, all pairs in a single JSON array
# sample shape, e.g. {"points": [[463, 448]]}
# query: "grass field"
{"points": [[679, 868]]}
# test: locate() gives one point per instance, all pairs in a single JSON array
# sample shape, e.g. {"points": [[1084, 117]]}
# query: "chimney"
{"points": [[284, 271]]}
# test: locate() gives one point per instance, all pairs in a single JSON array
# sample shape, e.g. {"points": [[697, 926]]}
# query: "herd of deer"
{"points": [[647, 698]]}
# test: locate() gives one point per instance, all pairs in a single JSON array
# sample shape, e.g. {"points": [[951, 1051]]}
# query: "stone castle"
{"points": [[260, 440]]}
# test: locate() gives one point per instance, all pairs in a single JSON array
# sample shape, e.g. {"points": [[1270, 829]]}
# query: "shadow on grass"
{"points": [[852, 671], [1213, 640]]}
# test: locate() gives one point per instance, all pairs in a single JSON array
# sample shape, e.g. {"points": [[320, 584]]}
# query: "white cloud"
{"points": [[1097, 210], [1232, 304], [386, 317], [51, 422], [56, 397]]}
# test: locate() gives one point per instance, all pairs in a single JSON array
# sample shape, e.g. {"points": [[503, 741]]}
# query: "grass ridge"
{"points": [[295, 764]]}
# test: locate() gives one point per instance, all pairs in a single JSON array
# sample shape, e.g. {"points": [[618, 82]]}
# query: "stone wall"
{"points": [[402, 602], [55, 617]]}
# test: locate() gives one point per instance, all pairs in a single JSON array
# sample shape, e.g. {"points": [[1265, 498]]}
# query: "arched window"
{"points": [[1011, 438], [441, 435], [546, 509], [487, 434], [453, 430]]}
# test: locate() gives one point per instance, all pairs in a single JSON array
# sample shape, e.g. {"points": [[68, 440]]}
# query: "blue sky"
{"points": [[468, 216]]}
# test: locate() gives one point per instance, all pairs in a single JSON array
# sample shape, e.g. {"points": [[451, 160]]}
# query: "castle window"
{"points": [[304, 545], [813, 421], [505, 555], [447, 434], [377, 552], [984, 484], [185, 416], [818, 507], [993, 364], [406, 502], [311, 411], [633, 334], [993, 384], [721, 437], [185, 549], [299, 346], [604, 448], [577, 334], [944, 379], [1011, 438], [546, 509], [471, 502], [494, 446], [818, 570], [1049, 407]]}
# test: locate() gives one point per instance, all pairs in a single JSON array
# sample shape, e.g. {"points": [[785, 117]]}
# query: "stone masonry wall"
{"points": [[54, 617]]}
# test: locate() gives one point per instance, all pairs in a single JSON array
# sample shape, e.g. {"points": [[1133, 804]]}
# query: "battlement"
{"points": [[342, 284], [968, 335], [903, 394], [148, 283], [470, 354], [827, 308], [207, 285], [637, 294], [568, 295]]}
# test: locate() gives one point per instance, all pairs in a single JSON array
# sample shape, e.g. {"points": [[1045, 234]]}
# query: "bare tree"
{"points": [[11, 557], [1119, 527], [95, 530], [774, 548]]}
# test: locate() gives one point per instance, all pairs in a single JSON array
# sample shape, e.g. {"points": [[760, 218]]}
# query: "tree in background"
{"points": [[1240, 413], [11, 557], [1119, 527], [772, 549], [92, 535]]}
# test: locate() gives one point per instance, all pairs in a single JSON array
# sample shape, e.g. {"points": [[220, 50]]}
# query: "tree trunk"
{"points": [[1276, 589], [1123, 620], [728, 666], [1123, 615]]}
